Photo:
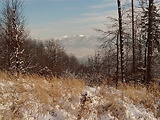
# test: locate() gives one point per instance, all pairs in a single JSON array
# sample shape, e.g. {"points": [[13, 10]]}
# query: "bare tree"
{"points": [[121, 39], [150, 42], [133, 38]]}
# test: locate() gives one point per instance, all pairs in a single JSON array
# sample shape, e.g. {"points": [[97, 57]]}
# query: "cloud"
{"points": [[48, 0], [83, 24], [95, 17], [104, 5], [61, 0]]}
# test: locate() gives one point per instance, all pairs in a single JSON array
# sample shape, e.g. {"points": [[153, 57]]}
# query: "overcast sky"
{"points": [[55, 18]]}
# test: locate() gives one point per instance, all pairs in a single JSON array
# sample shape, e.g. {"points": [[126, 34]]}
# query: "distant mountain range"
{"points": [[80, 45]]}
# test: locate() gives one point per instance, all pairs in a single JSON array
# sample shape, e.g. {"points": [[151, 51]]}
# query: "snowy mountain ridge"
{"points": [[79, 45]]}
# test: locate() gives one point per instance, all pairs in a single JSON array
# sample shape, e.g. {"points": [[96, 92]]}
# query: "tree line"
{"points": [[21, 54], [131, 47]]}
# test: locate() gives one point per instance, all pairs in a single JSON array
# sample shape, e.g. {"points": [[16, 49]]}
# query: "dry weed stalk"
{"points": [[84, 109]]}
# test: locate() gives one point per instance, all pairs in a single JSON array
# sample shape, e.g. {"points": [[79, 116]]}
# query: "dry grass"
{"points": [[141, 95], [31, 91], [111, 103], [34, 92]]}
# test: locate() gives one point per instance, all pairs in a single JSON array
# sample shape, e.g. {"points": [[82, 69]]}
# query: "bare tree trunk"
{"points": [[133, 41], [121, 40], [145, 61], [150, 43], [117, 67]]}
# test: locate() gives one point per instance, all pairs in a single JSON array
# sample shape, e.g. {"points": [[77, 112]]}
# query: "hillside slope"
{"points": [[37, 98]]}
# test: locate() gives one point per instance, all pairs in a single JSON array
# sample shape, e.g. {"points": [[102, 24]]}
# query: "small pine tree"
{"points": [[14, 34]]}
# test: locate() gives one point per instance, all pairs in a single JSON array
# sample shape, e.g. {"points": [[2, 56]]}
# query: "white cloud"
{"points": [[104, 5], [81, 25]]}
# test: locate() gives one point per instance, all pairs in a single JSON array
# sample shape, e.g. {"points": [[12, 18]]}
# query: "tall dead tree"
{"points": [[121, 40], [133, 40], [117, 57], [150, 42]]}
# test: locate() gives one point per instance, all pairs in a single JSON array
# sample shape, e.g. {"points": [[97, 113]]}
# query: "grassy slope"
{"points": [[34, 97]]}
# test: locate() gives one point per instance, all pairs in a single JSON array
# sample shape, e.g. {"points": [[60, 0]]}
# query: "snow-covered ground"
{"points": [[33, 98]]}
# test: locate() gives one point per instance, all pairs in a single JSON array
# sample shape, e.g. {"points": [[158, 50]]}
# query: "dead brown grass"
{"points": [[21, 93], [147, 96], [140, 95], [110, 103]]}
